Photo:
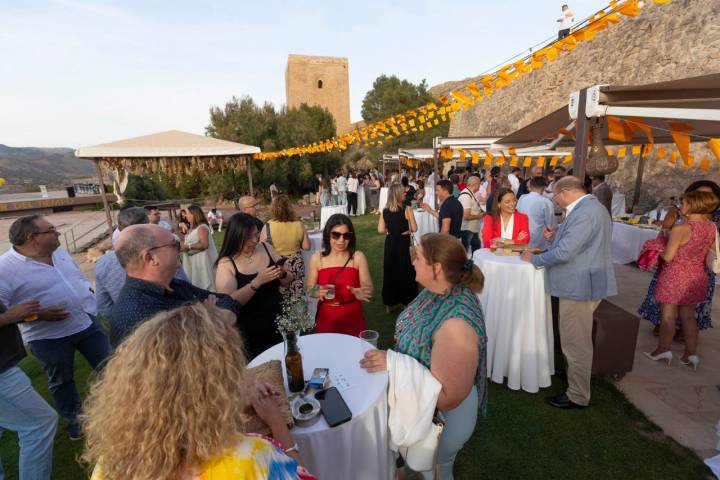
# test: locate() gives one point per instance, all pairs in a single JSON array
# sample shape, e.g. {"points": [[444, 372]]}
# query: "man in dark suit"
{"points": [[602, 191]]}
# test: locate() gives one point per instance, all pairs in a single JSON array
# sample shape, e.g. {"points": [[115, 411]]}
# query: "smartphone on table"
{"points": [[333, 407]]}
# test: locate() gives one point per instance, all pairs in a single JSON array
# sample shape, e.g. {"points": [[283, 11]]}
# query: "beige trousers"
{"points": [[575, 319]]}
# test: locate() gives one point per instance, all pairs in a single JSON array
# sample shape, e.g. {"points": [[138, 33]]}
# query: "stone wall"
{"points": [[321, 81], [665, 42]]}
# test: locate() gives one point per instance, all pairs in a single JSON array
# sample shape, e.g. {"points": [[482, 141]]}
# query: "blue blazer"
{"points": [[579, 259]]}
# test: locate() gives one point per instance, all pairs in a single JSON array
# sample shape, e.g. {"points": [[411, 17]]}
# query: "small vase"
{"points": [[293, 362]]}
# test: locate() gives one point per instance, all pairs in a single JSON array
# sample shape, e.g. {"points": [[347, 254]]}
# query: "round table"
{"points": [[429, 197], [518, 322], [361, 201], [426, 223], [382, 199], [327, 212], [358, 449], [628, 240]]}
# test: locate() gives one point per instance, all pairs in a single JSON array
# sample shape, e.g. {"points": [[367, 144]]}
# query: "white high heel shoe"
{"points": [[660, 356], [693, 360]]}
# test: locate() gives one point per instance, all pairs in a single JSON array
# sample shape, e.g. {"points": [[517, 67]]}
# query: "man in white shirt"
{"points": [[540, 211], [215, 217], [154, 217], [472, 214], [566, 21], [35, 268], [342, 189], [514, 181], [352, 197]]}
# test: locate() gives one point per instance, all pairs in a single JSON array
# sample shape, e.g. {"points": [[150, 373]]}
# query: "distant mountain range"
{"points": [[55, 167]]}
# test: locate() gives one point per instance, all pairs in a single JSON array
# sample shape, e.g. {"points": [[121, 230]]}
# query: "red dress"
{"points": [[344, 313], [683, 281]]}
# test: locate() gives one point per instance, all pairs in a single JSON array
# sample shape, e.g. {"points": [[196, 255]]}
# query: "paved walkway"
{"points": [[683, 402]]}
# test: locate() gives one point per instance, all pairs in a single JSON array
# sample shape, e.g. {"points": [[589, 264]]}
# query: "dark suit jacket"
{"points": [[604, 195]]}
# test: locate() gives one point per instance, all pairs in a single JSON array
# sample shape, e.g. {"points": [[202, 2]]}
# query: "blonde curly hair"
{"points": [[171, 398]]}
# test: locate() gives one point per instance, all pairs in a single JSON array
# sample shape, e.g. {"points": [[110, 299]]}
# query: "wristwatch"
{"points": [[293, 448]]}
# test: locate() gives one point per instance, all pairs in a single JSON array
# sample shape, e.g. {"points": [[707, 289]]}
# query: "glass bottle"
{"points": [[293, 363]]}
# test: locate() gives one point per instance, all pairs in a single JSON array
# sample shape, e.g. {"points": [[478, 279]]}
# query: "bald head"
{"points": [[567, 189], [569, 183], [248, 205]]}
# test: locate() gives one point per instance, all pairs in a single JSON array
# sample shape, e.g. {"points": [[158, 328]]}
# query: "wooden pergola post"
{"points": [[638, 178], [106, 205], [582, 128], [248, 164]]}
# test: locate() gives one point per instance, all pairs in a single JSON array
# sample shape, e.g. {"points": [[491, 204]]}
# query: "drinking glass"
{"points": [[330, 295]]}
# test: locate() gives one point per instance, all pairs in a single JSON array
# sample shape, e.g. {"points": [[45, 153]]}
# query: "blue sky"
{"points": [[77, 73]]}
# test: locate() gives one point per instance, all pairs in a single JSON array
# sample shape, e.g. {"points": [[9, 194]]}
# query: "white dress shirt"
{"points": [[506, 231], [352, 185], [59, 284], [514, 183], [570, 207], [341, 184]]}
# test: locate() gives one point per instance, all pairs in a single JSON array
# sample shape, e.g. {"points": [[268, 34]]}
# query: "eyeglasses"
{"points": [[345, 236], [175, 244], [49, 230]]}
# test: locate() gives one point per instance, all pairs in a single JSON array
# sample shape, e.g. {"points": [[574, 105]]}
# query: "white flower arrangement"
{"points": [[294, 316]]}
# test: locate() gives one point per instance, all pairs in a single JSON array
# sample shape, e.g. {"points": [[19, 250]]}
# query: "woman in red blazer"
{"points": [[501, 216]]}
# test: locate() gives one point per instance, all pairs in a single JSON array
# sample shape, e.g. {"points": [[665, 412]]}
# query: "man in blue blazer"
{"points": [[581, 274]]}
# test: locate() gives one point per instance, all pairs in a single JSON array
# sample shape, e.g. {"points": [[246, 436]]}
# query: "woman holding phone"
{"points": [[251, 266], [339, 277]]}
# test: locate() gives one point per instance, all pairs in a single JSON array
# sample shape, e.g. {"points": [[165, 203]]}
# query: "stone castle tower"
{"points": [[321, 81]]}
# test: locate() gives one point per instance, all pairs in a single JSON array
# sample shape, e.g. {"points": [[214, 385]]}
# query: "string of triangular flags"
{"points": [[431, 115]]}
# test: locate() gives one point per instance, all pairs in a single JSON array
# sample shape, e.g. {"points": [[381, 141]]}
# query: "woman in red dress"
{"points": [[505, 223], [341, 268], [682, 282]]}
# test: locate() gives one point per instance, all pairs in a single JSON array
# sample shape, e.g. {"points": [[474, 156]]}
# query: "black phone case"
{"points": [[338, 404]]}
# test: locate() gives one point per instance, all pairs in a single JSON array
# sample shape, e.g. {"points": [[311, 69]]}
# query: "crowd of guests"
{"points": [[179, 316]]}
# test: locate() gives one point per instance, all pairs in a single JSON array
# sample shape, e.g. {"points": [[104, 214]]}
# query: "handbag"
{"points": [[716, 260], [422, 456]]}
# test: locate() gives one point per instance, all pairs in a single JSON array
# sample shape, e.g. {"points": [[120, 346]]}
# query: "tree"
{"points": [[390, 96], [143, 187]]}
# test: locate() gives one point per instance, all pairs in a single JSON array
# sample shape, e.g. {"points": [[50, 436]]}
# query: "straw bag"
{"points": [[423, 455]]}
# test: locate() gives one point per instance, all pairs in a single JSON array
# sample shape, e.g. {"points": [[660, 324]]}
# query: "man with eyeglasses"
{"points": [[109, 274], [580, 274], [249, 205], [150, 256], [35, 268]]}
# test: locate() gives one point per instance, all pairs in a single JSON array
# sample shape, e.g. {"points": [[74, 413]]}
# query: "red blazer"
{"points": [[493, 229]]}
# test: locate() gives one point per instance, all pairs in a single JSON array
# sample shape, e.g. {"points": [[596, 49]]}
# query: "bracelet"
{"points": [[293, 448], [252, 287]]}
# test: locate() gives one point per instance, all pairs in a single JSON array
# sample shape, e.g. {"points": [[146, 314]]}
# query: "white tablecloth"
{"points": [[618, 204], [518, 322], [327, 212], [359, 448], [315, 245], [426, 223], [361, 200], [628, 240], [429, 197], [383, 199]]}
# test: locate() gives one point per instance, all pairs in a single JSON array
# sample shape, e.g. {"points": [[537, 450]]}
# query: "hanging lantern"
{"points": [[598, 161]]}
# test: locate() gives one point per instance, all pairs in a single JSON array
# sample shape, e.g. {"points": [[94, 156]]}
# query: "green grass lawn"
{"points": [[522, 437]]}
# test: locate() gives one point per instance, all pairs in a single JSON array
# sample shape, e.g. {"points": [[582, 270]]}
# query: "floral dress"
{"points": [[427, 313], [254, 457]]}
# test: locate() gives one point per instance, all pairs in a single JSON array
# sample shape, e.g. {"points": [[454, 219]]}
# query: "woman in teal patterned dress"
{"points": [[444, 329]]}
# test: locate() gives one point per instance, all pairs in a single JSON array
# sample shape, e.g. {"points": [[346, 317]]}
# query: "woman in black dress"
{"points": [[248, 265], [398, 221]]}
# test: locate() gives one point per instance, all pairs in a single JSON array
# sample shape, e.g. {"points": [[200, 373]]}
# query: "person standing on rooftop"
{"points": [[567, 19]]}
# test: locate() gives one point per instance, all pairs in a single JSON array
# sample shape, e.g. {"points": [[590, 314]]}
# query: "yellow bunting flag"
{"points": [[714, 145], [554, 160], [475, 158], [705, 164], [661, 1], [662, 153], [514, 161], [512, 150], [610, 151], [488, 158], [647, 150], [622, 151], [619, 130], [527, 162], [635, 150], [501, 160], [541, 161], [673, 157], [463, 154], [630, 8], [568, 159], [688, 161], [679, 131]]}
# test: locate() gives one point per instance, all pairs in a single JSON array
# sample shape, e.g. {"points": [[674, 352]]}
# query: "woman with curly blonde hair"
{"points": [[171, 402]]}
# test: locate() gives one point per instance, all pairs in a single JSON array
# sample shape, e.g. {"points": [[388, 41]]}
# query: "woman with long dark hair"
{"points": [[199, 252], [249, 265], [505, 223], [339, 277]]}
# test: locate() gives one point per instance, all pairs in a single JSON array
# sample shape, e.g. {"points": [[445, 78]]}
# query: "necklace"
{"points": [[247, 258]]}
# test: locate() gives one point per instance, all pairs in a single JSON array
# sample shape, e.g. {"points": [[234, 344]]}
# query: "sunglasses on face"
{"points": [[338, 235]]}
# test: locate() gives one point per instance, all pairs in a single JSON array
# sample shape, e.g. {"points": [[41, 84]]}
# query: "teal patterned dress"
{"points": [[427, 313]]}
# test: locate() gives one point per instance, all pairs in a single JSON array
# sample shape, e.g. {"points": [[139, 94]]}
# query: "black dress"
{"points": [[398, 273], [256, 319]]}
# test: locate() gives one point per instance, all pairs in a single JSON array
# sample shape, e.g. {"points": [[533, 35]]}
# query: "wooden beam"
{"points": [[437, 175], [106, 205], [582, 129], [248, 165], [638, 179]]}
